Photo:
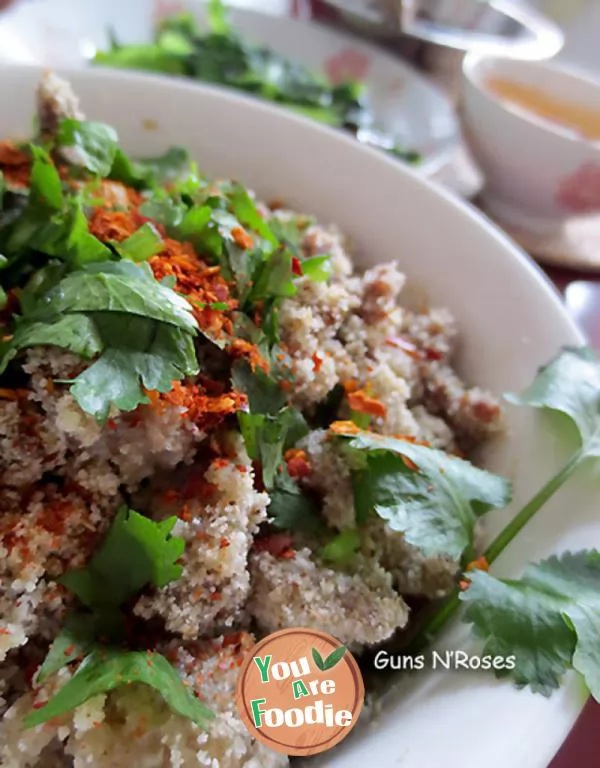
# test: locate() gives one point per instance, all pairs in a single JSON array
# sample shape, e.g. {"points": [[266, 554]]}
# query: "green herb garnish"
{"points": [[135, 552]]}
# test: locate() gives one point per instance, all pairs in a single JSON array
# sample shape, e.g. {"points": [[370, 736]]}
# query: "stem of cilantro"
{"points": [[518, 522], [451, 604]]}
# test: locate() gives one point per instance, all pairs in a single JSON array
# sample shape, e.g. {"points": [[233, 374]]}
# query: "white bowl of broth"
{"points": [[534, 128]]}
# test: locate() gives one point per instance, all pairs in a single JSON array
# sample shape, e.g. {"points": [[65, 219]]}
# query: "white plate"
{"points": [[64, 32], [511, 321]]}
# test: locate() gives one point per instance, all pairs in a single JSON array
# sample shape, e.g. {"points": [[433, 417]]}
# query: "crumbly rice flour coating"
{"points": [[64, 475]]}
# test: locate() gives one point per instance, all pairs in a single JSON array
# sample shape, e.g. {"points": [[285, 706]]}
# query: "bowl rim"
{"points": [[459, 208], [474, 60]]}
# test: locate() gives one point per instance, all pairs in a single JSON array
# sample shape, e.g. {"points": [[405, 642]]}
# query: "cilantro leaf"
{"points": [[96, 144], [142, 244], [550, 619], [291, 231], [149, 172], [433, 498], [244, 209], [291, 510], [116, 287], [139, 355], [264, 393], [342, 546], [75, 639], [76, 332], [318, 268], [168, 167], [218, 17], [136, 551], [267, 436], [45, 185], [570, 384], [106, 669]]}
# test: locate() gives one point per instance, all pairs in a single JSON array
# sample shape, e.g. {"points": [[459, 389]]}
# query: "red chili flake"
{"points": [[317, 362], [297, 462], [111, 424], [38, 704], [215, 596], [4, 631], [242, 238], [224, 543], [362, 403], [69, 650], [433, 354], [480, 564], [297, 266], [276, 544]]}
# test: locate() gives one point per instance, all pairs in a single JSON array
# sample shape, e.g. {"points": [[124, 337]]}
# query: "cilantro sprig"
{"points": [[135, 552], [140, 332], [549, 618], [431, 497]]}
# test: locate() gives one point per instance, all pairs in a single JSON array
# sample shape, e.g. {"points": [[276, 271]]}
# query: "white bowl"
{"points": [[404, 103], [537, 173], [511, 319]]}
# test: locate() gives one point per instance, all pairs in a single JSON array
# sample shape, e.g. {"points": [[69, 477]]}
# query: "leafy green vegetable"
{"points": [[244, 209], [45, 185], [146, 56], [217, 17], [221, 56], [150, 172], [142, 245], [106, 669], [138, 355], [141, 330], [120, 287], [317, 268], [549, 619], [136, 551], [96, 144], [76, 638], [267, 436], [340, 549], [433, 498], [291, 510], [52, 222], [570, 384], [169, 167], [76, 332], [265, 396]]}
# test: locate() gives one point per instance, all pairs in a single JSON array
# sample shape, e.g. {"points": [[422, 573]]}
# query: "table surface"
{"points": [[580, 291]]}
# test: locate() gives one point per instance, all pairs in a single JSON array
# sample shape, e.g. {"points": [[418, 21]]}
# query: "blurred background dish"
{"points": [[496, 27], [534, 128], [404, 105]]}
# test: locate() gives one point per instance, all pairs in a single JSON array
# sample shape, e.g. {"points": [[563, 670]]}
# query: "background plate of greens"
{"points": [[317, 72]]}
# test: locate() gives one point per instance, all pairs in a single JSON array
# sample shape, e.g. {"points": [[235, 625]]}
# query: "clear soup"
{"points": [[582, 120]]}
